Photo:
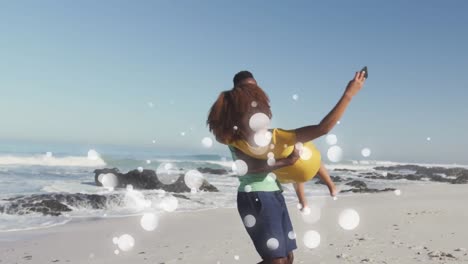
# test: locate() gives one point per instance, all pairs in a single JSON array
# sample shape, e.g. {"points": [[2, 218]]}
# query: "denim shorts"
{"points": [[266, 219]]}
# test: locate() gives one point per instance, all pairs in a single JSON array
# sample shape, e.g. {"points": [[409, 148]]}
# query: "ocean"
{"points": [[33, 169]]}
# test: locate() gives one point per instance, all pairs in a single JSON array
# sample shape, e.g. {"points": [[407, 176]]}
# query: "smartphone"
{"points": [[366, 72]]}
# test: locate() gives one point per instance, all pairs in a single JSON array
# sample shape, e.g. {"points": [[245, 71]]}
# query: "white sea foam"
{"points": [[42, 160]]}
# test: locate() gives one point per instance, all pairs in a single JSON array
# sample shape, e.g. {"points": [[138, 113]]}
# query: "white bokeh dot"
{"points": [[311, 239], [193, 179], [248, 188], [93, 154], [240, 167], [271, 161], [207, 142], [272, 243], [126, 242], [249, 221], [254, 104], [167, 173], [397, 192], [331, 139], [236, 257], [149, 221], [262, 138], [116, 251], [295, 97], [109, 180], [349, 219], [365, 152], [259, 121], [305, 153], [169, 203], [335, 154], [292, 235], [140, 169]]}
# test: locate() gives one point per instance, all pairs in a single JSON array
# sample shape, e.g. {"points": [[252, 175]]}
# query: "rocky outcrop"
{"points": [[53, 204], [418, 173], [148, 180]]}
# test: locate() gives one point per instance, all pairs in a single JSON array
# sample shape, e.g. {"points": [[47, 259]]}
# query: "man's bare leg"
{"points": [[290, 257]]}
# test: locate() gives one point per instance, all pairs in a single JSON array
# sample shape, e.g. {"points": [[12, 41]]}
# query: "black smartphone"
{"points": [[366, 72]]}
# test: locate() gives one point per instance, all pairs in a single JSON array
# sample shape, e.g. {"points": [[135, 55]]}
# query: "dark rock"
{"points": [[213, 171], [357, 184], [463, 179], [148, 180], [344, 170], [418, 173], [334, 179], [367, 190], [53, 204]]}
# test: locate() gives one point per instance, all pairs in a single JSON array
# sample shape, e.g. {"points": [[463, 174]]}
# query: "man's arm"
{"points": [[308, 133], [258, 166]]}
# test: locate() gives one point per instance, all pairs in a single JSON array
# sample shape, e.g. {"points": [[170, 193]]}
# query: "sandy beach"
{"points": [[425, 224]]}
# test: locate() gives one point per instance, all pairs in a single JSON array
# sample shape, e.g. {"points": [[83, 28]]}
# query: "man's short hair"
{"points": [[242, 75]]}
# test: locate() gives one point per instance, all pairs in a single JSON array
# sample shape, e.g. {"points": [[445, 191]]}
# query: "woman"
{"points": [[262, 206]]}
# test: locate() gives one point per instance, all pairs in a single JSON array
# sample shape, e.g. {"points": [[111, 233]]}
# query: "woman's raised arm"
{"points": [[308, 133]]}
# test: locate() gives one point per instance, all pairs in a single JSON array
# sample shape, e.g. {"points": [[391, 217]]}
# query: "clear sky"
{"points": [[86, 71]]}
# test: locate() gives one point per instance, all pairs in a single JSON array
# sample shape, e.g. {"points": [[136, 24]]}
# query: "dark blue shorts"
{"points": [[272, 234]]}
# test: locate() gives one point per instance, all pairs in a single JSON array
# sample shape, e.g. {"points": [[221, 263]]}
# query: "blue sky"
{"points": [[84, 71]]}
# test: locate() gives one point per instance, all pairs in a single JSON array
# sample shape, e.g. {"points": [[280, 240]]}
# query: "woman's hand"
{"points": [[355, 85]]}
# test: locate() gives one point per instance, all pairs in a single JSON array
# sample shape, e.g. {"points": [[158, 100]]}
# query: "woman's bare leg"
{"points": [[299, 187], [325, 177]]}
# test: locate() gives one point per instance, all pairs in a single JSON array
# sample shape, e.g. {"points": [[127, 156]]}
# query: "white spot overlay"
{"points": [[240, 167], [365, 152], [335, 153], [259, 121], [93, 154], [331, 139], [207, 142], [149, 221], [311, 239], [169, 203], [167, 173], [249, 221], [126, 242], [271, 162], [263, 138], [292, 235], [193, 179], [272, 243], [349, 219]]}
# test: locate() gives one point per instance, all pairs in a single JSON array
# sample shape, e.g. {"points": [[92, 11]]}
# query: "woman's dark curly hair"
{"points": [[230, 109]]}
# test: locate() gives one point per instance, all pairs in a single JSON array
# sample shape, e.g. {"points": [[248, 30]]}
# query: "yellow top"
{"points": [[281, 146]]}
